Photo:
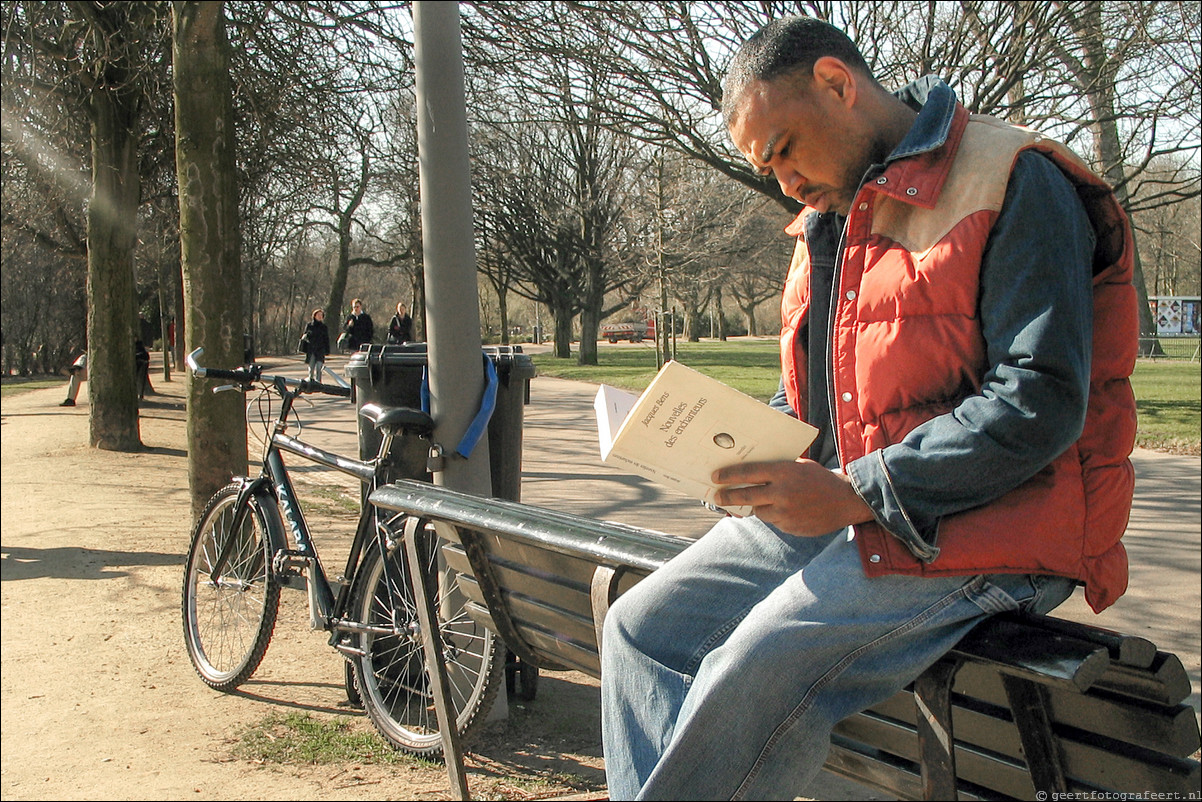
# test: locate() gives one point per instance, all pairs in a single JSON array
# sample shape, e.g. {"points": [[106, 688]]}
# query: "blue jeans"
{"points": [[316, 363], [723, 672]]}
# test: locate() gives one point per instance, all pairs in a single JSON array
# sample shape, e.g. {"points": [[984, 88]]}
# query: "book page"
{"points": [[612, 406], [686, 425]]}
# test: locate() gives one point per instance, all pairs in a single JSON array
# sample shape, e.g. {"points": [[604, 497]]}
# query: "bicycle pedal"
{"points": [[290, 562]]}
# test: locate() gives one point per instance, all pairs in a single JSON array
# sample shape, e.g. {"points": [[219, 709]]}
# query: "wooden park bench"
{"points": [[1023, 708]]}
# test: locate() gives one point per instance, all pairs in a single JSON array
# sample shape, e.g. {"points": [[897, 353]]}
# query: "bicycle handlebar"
{"points": [[250, 374]]}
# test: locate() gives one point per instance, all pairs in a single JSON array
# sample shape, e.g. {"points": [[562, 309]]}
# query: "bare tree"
{"points": [[1107, 55], [93, 59], [1124, 72], [209, 239], [553, 190]]}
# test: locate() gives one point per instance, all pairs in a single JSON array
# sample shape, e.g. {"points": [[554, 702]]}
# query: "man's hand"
{"points": [[801, 498]]}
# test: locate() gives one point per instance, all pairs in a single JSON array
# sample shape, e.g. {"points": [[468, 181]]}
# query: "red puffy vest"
{"points": [[907, 346]]}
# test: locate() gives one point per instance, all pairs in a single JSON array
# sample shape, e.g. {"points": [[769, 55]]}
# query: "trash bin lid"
{"points": [[408, 355], [510, 360]]}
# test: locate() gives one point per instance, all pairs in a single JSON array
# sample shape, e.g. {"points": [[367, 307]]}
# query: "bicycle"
{"points": [[252, 540]]}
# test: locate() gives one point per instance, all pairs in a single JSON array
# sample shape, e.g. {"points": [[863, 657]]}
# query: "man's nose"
{"points": [[789, 179]]}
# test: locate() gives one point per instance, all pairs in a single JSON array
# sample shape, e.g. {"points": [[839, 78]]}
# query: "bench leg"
{"points": [[936, 745], [1029, 705], [436, 666]]}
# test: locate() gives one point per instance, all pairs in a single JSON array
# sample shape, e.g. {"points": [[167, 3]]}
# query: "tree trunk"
{"points": [[503, 312], [717, 301], [112, 236], [1101, 82], [590, 326], [334, 311], [563, 331], [749, 314], [210, 244], [346, 219]]}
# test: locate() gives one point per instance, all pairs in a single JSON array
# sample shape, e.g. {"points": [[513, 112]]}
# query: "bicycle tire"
{"points": [[228, 623], [390, 673]]}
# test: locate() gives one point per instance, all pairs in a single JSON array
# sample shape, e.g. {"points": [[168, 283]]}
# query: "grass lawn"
{"points": [[1169, 400], [12, 384], [1168, 394]]}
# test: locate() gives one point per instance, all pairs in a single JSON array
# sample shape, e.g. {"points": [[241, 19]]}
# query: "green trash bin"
{"points": [[391, 375]]}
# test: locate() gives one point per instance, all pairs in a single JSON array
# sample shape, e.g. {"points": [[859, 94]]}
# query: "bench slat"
{"points": [[1173, 730], [1129, 650], [1022, 649], [1164, 683], [880, 770], [985, 770], [988, 728]]}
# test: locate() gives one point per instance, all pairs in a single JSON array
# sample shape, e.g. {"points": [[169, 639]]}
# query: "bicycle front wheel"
{"points": [[391, 671], [229, 618]]}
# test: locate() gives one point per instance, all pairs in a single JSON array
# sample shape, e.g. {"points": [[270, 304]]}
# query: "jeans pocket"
{"points": [[1037, 594], [997, 593], [1047, 593]]}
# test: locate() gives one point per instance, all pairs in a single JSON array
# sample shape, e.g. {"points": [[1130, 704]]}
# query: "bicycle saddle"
{"points": [[406, 419]]}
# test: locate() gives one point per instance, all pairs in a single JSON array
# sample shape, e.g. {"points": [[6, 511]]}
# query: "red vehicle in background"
{"points": [[634, 331]]}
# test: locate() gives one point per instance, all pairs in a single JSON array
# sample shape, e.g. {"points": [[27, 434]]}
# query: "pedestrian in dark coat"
{"points": [[358, 327], [317, 344], [400, 329]]}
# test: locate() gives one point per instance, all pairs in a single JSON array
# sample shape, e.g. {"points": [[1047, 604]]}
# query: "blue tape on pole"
{"points": [[488, 403], [424, 393]]}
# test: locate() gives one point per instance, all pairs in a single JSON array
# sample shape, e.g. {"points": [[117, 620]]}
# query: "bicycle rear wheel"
{"points": [[228, 621], [391, 673]]}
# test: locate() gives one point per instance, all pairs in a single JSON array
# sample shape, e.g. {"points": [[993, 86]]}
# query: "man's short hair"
{"points": [[783, 47]]}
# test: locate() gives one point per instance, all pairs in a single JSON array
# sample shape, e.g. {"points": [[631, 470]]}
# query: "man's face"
{"points": [[805, 136]]}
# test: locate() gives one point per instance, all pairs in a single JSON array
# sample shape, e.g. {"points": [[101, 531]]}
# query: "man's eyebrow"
{"points": [[766, 153]]}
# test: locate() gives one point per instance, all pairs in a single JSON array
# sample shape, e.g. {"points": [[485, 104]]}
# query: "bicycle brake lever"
{"points": [[222, 387]]}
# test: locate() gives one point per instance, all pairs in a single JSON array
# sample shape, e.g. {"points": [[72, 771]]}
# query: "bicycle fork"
{"points": [[302, 561]]}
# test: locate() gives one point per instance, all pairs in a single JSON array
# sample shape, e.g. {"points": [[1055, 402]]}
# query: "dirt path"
{"points": [[99, 698]]}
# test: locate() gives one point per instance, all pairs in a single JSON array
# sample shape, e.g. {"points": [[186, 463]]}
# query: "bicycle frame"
{"points": [[274, 485]]}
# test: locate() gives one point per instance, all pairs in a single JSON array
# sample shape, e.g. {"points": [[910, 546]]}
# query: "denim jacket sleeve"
{"points": [[1037, 320]]}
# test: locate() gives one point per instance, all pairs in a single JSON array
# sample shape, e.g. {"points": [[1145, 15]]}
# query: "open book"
{"points": [[686, 425]]}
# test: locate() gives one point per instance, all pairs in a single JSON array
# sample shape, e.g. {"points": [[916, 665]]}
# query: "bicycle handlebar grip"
{"points": [[327, 389], [241, 376]]}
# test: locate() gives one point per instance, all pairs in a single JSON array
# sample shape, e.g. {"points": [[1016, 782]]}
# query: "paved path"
{"points": [[562, 470]]}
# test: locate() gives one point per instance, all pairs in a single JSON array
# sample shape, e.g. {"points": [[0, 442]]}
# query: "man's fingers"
{"points": [[743, 496], [749, 473]]}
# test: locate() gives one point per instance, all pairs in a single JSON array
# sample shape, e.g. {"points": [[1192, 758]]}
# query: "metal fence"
{"points": [[1180, 348]]}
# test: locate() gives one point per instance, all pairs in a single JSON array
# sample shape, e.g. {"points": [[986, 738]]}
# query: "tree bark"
{"points": [[210, 244], [563, 330], [112, 236]]}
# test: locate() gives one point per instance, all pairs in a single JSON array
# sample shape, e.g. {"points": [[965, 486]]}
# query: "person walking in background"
{"points": [[142, 369], [317, 344], [358, 327], [400, 328]]}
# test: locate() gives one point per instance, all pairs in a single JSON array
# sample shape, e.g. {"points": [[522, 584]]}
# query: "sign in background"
{"points": [[1176, 315]]}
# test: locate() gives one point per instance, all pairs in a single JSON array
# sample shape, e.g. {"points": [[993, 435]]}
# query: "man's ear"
{"points": [[834, 75]]}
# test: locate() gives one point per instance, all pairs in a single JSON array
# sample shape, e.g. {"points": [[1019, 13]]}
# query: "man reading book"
{"points": [[959, 323]]}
